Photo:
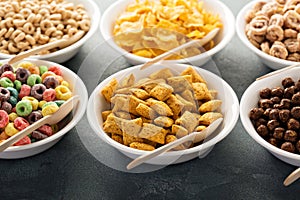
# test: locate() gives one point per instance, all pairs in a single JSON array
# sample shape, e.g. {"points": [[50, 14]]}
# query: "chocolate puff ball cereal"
{"points": [[277, 115]]}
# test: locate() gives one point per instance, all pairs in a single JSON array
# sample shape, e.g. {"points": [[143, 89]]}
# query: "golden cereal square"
{"points": [[210, 106], [161, 74], [161, 91], [142, 146], [108, 90], [207, 118], [201, 91], [145, 111], [195, 75], [163, 121], [153, 133]]}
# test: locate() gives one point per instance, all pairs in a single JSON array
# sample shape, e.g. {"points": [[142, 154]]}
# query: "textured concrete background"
{"points": [[237, 168]]}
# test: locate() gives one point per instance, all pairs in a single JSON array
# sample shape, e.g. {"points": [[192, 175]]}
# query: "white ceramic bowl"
{"points": [[249, 100], [270, 61], [67, 53], [230, 110], [78, 88], [222, 39]]}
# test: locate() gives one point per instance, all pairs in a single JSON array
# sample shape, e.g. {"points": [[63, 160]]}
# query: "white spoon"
{"points": [[200, 42], [292, 177], [195, 136]]}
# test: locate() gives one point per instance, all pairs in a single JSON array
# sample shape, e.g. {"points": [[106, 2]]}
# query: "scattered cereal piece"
{"points": [[140, 93], [188, 121], [162, 74], [207, 118], [160, 107], [179, 83], [163, 121], [161, 91], [109, 89], [117, 138], [179, 131], [105, 114], [200, 128], [153, 133], [195, 75], [142, 146], [175, 105], [171, 138], [128, 139], [201, 91], [132, 127], [113, 124], [128, 81], [145, 111], [210, 106]]}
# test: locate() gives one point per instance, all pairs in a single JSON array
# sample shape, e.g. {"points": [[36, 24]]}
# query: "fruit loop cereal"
{"points": [[149, 28], [27, 94], [30, 23], [274, 26]]}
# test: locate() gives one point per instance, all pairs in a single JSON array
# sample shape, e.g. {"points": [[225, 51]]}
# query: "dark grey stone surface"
{"points": [[237, 168]]}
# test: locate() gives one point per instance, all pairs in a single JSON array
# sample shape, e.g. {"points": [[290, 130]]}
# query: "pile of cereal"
{"points": [[30, 23], [277, 117], [159, 109], [274, 27], [150, 28], [27, 94]]}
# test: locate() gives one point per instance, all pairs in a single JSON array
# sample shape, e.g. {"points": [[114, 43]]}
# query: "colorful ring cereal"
{"points": [[6, 67], [23, 141], [4, 94], [49, 95], [37, 91], [49, 109], [22, 74], [34, 102], [46, 129], [56, 70], [10, 129], [7, 107], [12, 116], [13, 92], [43, 69], [4, 118], [20, 123], [63, 92], [50, 82], [6, 82], [34, 116], [34, 79], [13, 101], [10, 75], [18, 84], [23, 108], [24, 91]]}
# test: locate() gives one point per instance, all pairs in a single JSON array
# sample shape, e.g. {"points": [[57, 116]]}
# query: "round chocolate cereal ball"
{"points": [[288, 146]]}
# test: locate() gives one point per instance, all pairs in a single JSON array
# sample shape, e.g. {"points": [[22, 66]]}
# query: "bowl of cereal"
{"points": [[271, 31], [29, 90], [269, 111], [162, 26], [136, 111], [28, 24]]}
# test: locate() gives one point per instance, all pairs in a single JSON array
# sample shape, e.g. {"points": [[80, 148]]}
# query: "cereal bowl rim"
{"points": [[78, 44], [240, 29], [107, 35], [254, 88], [76, 118], [225, 129]]}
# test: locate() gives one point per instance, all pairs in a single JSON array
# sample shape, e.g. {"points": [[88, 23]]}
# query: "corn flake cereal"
{"points": [[151, 27]]}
